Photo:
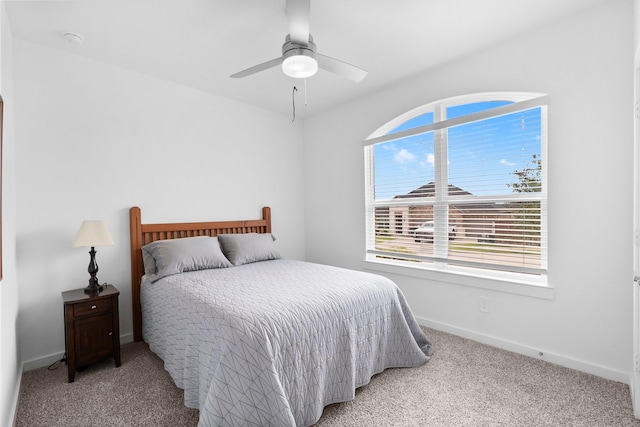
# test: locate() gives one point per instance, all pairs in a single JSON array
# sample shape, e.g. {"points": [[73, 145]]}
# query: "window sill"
{"points": [[514, 283]]}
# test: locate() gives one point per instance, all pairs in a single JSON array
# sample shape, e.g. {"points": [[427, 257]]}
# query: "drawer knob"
{"points": [[110, 333], [93, 307]]}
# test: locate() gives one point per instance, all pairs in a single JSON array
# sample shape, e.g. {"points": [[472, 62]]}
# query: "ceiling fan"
{"points": [[300, 58]]}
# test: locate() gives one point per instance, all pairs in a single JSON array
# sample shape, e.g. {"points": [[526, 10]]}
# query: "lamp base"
{"points": [[93, 288]]}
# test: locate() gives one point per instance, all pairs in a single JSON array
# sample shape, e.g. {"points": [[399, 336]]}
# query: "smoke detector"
{"points": [[73, 38]]}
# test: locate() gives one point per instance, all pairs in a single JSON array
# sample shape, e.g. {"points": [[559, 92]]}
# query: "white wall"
{"points": [[96, 140], [9, 353], [636, 28], [585, 65]]}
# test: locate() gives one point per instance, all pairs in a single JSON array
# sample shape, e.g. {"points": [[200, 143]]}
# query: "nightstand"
{"points": [[92, 329]]}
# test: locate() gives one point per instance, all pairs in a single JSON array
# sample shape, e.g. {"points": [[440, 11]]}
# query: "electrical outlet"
{"points": [[484, 304]]}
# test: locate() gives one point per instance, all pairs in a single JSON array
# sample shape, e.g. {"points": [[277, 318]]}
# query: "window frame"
{"points": [[523, 283]]}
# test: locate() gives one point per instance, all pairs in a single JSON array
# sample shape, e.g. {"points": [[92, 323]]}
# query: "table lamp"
{"points": [[92, 234]]}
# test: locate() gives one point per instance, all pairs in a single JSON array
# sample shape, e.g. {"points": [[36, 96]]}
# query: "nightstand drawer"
{"points": [[90, 308]]}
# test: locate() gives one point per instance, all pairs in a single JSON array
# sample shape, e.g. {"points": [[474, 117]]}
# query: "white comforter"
{"points": [[274, 342]]}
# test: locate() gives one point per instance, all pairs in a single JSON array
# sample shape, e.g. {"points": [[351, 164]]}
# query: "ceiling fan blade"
{"points": [[257, 68], [341, 68], [299, 15]]}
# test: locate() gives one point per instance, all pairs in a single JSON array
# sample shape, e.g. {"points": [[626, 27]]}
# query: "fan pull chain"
{"points": [[293, 101], [305, 92]]}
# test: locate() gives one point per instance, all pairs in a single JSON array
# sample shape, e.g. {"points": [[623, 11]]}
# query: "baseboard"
{"points": [[16, 396], [632, 391], [126, 338], [41, 362], [536, 353]]}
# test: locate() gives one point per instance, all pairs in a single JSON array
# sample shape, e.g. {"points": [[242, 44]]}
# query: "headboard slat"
{"points": [[142, 234]]}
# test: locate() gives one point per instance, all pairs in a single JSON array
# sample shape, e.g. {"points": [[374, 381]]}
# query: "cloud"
{"points": [[404, 156], [430, 161], [504, 162]]}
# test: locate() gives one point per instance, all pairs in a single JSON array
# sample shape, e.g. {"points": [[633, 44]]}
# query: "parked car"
{"points": [[487, 238], [425, 232]]}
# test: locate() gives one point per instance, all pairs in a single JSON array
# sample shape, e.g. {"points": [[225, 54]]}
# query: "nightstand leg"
{"points": [[116, 335], [70, 343]]}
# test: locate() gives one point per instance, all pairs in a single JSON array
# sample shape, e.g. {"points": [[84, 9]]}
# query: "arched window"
{"points": [[460, 183]]}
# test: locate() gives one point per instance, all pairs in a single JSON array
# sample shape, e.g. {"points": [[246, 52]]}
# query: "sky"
{"points": [[482, 156]]}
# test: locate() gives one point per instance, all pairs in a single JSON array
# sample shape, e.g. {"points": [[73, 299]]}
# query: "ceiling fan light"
{"points": [[299, 66]]}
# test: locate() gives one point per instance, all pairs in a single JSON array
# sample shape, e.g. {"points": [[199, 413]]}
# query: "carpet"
{"points": [[464, 384]]}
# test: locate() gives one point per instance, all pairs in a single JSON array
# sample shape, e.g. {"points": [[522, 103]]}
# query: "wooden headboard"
{"points": [[142, 234]]}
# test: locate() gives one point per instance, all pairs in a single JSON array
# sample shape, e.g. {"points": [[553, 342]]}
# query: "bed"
{"points": [[255, 339]]}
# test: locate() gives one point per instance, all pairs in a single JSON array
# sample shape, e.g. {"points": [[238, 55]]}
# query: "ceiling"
{"points": [[199, 43]]}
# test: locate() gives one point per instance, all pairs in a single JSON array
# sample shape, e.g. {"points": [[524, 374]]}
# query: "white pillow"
{"points": [[180, 255], [247, 248]]}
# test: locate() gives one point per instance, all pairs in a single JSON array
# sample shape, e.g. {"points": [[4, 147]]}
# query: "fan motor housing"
{"points": [[290, 48]]}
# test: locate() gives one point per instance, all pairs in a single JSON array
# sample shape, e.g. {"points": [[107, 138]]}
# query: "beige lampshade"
{"points": [[93, 233]]}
